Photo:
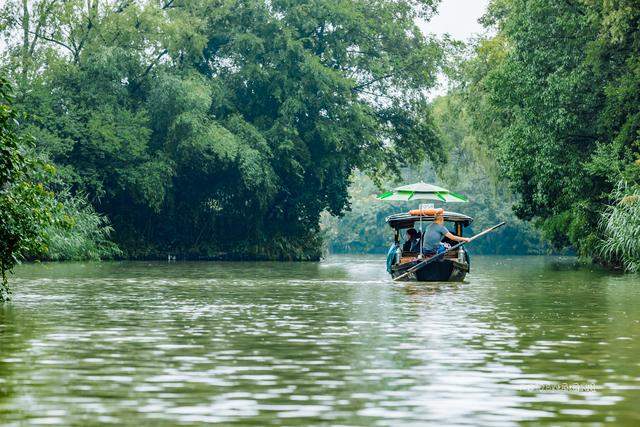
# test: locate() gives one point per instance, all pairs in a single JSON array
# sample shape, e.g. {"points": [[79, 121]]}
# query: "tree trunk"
{"points": [[25, 41]]}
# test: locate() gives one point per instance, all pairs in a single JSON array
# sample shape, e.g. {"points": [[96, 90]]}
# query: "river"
{"points": [[523, 339]]}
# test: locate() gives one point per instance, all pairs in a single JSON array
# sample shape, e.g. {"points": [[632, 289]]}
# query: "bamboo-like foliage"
{"points": [[80, 234], [621, 225]]}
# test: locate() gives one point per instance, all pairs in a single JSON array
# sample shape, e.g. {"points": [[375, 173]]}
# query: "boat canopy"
{"points": [[406, 220]]}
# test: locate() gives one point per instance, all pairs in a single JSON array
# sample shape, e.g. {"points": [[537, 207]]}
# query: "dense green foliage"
{"points": [[222, 128], [80, 234], [26, 207], [35, 222], [556, 95], [469, 171]]}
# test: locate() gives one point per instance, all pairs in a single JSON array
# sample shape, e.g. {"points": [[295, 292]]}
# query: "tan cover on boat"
{"points": [[426, 212]]}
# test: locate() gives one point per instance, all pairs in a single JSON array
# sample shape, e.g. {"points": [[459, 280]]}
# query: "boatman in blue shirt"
{"points": [[433, 235]]}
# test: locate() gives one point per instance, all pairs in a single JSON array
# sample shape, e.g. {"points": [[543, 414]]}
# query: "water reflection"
{"points": [[329, 343]]}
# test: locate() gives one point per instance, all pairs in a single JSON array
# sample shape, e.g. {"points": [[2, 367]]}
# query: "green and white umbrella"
{"points": [[422, 191]]}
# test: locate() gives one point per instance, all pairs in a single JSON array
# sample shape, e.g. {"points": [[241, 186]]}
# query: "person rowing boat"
{"points": [[435, 233]]}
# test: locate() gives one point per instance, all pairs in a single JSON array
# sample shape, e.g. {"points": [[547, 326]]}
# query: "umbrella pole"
{"points": [[420, 254]]}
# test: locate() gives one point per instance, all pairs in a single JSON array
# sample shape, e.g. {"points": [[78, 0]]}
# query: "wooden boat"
{"points": [[453, 266]]}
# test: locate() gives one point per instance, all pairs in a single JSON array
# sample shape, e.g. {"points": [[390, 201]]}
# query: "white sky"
{"points": [[459, 19]]}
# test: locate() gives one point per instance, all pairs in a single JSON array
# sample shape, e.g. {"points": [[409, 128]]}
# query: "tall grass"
{"points": [[621, 226], [83, 234]]}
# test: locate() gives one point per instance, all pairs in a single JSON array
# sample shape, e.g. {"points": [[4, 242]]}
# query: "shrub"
{"points": [[81, 234], [621, 226]]}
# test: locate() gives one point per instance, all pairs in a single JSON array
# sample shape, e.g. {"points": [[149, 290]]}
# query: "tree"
{"points": [[26, 207], [223, 128], [554, 94]]}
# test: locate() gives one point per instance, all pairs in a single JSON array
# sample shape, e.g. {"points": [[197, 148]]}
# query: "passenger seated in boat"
{"points": [[433, 235], [413, 241]]}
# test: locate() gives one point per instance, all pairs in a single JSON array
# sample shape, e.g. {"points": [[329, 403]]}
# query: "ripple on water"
{"points": [[329, 343]]}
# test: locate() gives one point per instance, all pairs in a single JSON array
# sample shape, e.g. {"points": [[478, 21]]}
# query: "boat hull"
{"points": [[446, 270]]}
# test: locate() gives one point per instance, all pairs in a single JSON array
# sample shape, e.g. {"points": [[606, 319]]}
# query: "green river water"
{"points": [[524, 340]]}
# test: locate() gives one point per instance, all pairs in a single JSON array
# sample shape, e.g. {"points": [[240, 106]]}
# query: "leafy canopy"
{"points": [[223, 127], [556, 95]]}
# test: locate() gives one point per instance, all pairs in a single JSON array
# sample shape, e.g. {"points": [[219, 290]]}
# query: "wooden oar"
{"points": [[441, 255]]}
